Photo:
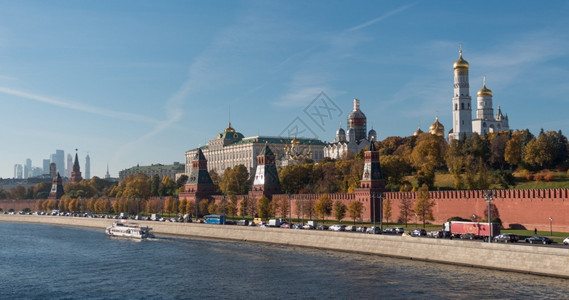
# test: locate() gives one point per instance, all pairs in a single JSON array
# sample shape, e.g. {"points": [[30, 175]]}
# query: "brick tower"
{"points": [[372, 185], [76, 172], [56, 188], [266, 176], [199, 184]]}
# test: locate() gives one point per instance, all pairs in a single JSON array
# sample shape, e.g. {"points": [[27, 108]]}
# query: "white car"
{"points": [[566, 241]]}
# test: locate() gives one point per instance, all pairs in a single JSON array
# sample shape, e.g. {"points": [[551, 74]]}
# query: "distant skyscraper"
{"points": [[46, 163], [87, 167], [69, 165], [18, 171], [28, 168], [59, 159]]}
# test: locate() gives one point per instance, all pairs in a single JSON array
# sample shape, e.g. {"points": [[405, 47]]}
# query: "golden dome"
{"points": [[484, 91], [437, 128], [461, 63], [418, 132]]}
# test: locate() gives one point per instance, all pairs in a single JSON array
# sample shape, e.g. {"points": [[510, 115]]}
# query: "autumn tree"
{"points": [[294, 178], [406, 207], [232, 206], [235, 181], [387, 209], [339, 210], [323, 206], [355, 209], [263, 207], [424, 204], [427, 156], [203, 207]]}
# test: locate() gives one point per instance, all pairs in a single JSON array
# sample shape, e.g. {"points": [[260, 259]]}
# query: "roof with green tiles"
{"points": [[270, 140]]}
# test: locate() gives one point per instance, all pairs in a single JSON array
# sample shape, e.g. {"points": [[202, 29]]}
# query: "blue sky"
{"points": [[141, 82]]}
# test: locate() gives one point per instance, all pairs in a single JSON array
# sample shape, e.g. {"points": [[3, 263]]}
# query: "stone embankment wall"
{"points": [[519, 258]]}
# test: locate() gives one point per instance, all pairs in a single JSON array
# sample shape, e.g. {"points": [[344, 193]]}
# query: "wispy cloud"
{"points": [[78, 106], [381, 18]]}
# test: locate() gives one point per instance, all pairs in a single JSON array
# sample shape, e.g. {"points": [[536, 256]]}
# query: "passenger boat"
{"points": [[131, 231]]}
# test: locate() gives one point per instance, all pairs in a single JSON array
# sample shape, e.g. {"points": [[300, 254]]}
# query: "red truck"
{"points": [[478, 229]]}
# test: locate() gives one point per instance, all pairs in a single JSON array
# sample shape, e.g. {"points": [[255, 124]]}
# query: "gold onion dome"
{"points": [[484, 91], [461, 63], [437, 128], [418, 132]]}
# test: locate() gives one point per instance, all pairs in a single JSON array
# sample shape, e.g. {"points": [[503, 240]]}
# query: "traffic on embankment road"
{"points": [[547, 261]]}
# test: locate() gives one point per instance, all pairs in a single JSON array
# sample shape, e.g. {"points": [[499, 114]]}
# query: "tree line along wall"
{"points": [[516, 208]]}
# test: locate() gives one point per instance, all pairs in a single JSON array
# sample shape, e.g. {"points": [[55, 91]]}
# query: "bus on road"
{"points": [[214, 219]]}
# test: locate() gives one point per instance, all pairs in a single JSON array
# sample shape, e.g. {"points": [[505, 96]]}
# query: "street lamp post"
{"points": [[551, 226], [289, 212], [489, 197], [380, 212], [373, 195], [416, 220]]}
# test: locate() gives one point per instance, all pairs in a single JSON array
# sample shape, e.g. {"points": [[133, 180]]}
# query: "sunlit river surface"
{"points": [[52, 262]]}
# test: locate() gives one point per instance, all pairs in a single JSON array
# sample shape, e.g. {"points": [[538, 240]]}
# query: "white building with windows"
{"points": [[231, 148], [462, 123]]}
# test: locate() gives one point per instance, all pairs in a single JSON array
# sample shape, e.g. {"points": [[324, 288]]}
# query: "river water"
{"points": [[54, 262]]}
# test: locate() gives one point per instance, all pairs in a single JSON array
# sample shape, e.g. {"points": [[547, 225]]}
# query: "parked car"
{"points": [[419, 232], [374, 230], [538, 240], [389, 230], [308, 226], [566, 241], [285, 225], [322, 227], [435, 234], [297, 226], [337, 227], [399, 230], [469, 236], [361, 229], [506, 238], [351, 228]]}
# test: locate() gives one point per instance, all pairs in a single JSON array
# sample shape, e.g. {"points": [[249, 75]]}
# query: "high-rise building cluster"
{"points": [[51, 166]]}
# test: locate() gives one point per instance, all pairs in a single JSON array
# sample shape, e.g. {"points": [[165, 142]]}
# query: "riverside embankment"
{"points": [[548, 261]]}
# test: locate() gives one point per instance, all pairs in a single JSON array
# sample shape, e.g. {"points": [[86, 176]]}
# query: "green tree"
{"points": [[263, 207], [167, 187], [339, 210], [232, 206], [295, 178], [235, 181], [154, 185], [424, 204], [355, 210]]}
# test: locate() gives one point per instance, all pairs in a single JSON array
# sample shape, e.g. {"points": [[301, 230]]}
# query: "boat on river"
{"points": [[135, 231]]}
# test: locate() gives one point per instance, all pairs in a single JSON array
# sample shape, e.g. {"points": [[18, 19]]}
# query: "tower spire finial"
{"points": [[229, 116], [460, 48], [484, 80]]}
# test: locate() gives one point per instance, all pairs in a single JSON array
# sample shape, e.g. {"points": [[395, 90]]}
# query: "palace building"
{"points": [[462, 123], [231, 148]]}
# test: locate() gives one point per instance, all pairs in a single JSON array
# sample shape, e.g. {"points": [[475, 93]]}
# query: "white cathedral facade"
{"points": [[356, 139], [485, 121]]}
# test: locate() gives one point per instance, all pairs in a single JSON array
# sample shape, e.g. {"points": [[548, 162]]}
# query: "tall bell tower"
{"points": [[461, 101]]}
